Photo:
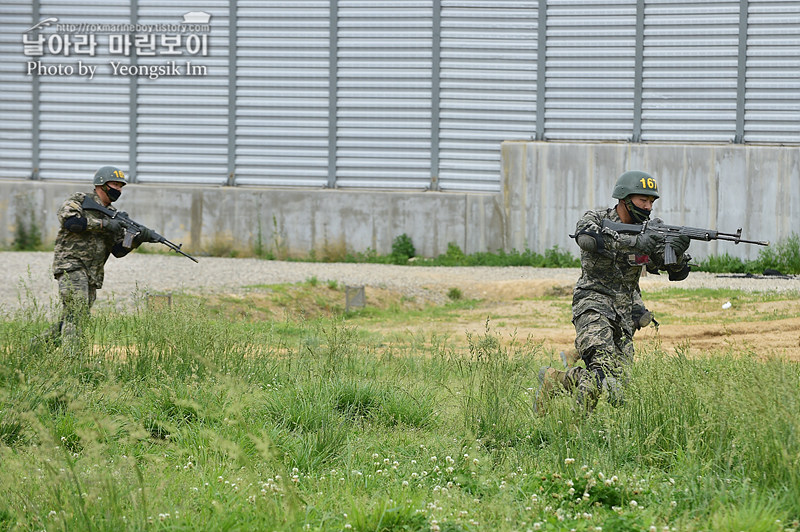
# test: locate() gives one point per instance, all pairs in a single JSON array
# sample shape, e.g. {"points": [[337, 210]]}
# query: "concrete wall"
{"points": [[546, 187], [292, 222]]}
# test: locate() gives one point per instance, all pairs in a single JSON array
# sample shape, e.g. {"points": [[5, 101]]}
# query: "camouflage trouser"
{"points": [[607, 350], [77, 297]]}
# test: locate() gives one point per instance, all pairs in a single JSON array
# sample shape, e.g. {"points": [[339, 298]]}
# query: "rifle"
{"points": [[131, 228], [671, 232]]}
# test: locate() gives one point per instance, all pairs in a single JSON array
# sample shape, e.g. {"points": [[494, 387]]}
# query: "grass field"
{"points": [[278, 412]]}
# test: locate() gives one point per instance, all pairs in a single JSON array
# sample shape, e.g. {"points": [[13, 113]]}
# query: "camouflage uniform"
{"points": [[602, 308], [79, 260], [607, 305]]}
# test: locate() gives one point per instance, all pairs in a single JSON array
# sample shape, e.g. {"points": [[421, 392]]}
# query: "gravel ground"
{"points": [[26, 274]]}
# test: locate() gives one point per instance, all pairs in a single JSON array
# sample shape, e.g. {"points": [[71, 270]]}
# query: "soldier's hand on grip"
{"points": [[112, 225], [681, 244], [644, 243], [148, 235]]}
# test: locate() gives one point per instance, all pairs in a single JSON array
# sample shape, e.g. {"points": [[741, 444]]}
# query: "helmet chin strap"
{"points": [[638, 214]]}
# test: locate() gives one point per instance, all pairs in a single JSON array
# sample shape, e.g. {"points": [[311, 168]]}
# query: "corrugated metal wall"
{"points": [[487, 90], [282, 73], [772, 97], [690, 70], [182, 120], [396, 94], [16, 96], [82, 124], [383, 94], [590, 70]]}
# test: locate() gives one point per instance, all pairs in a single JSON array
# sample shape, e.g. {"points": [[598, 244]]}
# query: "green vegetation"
{"points": [[783, 256], [402, 249], [27, 235], [193, 416], [454, 256]]}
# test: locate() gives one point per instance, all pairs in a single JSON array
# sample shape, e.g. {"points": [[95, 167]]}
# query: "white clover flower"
{"points": [[569, 461], [633, 504]]}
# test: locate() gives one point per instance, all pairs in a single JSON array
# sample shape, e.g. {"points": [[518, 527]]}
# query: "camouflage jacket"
{"points": [[609, 281], [87, 250]]}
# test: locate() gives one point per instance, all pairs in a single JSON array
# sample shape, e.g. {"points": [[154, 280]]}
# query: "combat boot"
{"points": [[551, 382]]}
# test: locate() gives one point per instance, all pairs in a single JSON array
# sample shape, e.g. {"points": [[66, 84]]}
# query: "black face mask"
{"points": [[113, 194], [638, 214]]}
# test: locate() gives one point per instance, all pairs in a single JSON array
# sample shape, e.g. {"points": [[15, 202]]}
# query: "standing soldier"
{"points": [[608, 291], [85, 240]]}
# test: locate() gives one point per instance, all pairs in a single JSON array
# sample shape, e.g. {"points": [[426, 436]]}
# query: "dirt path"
{"points": [[763, 317], [764, 325]]}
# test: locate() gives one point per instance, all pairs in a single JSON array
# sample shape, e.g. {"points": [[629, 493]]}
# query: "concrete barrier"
{"points": [[545, 188], [286, 222]]}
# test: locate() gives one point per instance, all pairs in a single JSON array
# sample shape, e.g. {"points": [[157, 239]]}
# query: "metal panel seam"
{"points": [[333, 82], [232, 37], [436, 41], [133, 113], [35, 118]]}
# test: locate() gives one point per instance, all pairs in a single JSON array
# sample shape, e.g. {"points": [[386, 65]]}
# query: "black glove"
{"points": [[113, 225], [147, 235], [680, 245], [644, 243], [680, 271]]}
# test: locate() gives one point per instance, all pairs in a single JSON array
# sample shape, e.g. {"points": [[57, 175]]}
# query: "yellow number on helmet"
{"points": [[649, 183]]}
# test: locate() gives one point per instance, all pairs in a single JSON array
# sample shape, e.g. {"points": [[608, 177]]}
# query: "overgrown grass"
{"points": [[180, 419]]}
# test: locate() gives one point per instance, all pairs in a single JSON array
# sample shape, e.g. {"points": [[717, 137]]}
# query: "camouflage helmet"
{"points": [[109, 173], [635, 182]]}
